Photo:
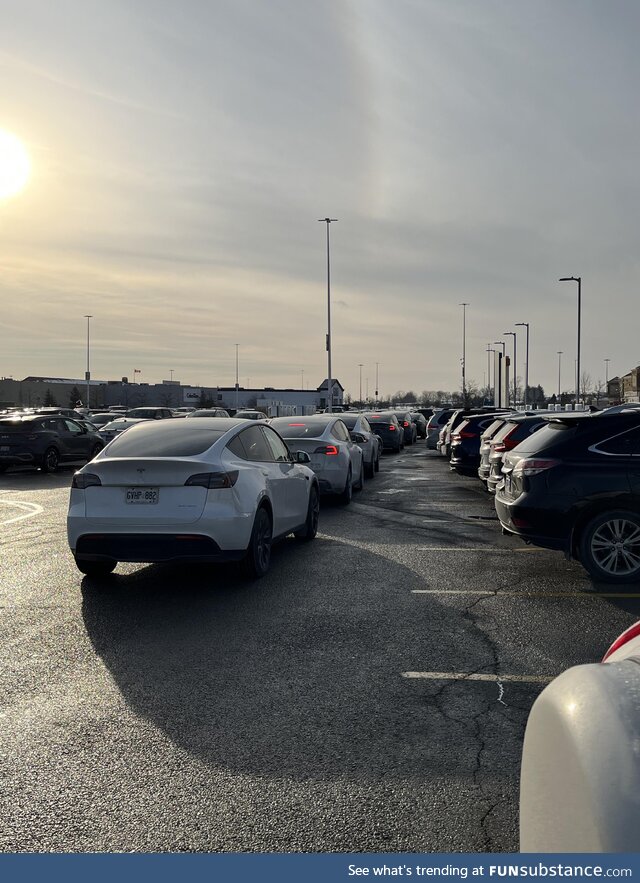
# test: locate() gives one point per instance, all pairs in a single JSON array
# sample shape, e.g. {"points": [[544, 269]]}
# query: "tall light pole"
{"points": [[171, 373], [464, 351], [237, 383], [559, 369], [329, 221], [526, 366], [489, 351], [87, 376], [515, 368], [360, 366], [606, 373], [376, 401], [577, 279], [302, 376], [504, 352]]}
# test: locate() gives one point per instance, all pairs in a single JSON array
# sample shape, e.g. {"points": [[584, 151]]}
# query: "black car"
{"points": [[420, 423], [408, 427], [465, 443], [45, 441], [457, 416], [575, 485], [385, 424]]}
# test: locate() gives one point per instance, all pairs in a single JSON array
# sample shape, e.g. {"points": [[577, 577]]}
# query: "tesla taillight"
{"points": [[632, 632], [392, 427], [498, 448], [534, 466], [213, 480], [406, 423], [464, 434], [82, 480], [329, 450]]}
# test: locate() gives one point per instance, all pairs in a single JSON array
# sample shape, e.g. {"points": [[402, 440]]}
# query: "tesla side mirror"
{"points": [[357, 437], [302, 457]]}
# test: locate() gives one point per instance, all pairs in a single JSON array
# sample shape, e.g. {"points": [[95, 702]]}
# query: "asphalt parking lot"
{"points": [[368, 695]]}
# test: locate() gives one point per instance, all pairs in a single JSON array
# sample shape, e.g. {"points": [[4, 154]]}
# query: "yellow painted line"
{"points": [[31, 510], [509, 594], [463, 676]]}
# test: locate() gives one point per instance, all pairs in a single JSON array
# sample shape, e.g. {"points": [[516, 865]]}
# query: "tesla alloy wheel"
{"points": [[258, 557], [610, 547], [313, 512]]}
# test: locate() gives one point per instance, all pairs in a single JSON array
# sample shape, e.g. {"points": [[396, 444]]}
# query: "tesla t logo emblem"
{"points": [[140, 471]]}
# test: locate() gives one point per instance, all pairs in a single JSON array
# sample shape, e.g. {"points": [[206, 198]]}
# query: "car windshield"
{"points": [[292, 428], [349, 420], [166, 438]]}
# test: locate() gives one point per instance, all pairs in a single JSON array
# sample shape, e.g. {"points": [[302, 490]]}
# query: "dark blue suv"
{"points": [[45, 441]]}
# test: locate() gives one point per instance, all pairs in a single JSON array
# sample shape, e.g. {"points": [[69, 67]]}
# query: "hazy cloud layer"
{"points": [[183, 153]]}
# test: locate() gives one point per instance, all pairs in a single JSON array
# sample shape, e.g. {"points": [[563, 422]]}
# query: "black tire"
{"points": [[311, 524], [96, 568], [347, 493], [50, 461], [255, 563], [609, 547], [95, 450], [370, 468], [360, 485]]}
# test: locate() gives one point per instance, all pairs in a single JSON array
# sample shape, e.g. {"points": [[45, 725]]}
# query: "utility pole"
{"points": [[329, 221], [360, 366], [464, 351], [88, 374]]}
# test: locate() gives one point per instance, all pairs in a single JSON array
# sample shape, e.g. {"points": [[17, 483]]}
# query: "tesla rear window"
{"points": [[297, 429], [349, 420], [165, 438]]}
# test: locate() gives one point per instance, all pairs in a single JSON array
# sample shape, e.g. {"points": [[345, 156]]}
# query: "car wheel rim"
{"points": [[615, 547], [263, 542], [52, 460]]}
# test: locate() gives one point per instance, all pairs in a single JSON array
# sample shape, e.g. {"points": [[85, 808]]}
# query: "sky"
{"points": [[470, 150]]}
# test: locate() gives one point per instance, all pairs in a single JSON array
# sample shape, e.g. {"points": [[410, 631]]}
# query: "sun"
{"points": [[14, 165]]}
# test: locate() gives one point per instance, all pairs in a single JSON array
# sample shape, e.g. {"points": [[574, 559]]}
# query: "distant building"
{"points": [[32, 392]]}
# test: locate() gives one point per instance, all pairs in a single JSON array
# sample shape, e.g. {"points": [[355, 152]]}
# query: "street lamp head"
{"points": [[569, 279], [499, 341], [327, 220], [511, 333], [522, 323]]}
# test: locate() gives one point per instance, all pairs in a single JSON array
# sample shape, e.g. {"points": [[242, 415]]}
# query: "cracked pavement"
{"points": [[186, 709]]}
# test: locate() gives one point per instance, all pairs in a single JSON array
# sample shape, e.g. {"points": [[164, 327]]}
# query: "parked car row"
{"points": [[562, 480], [214, 489]]}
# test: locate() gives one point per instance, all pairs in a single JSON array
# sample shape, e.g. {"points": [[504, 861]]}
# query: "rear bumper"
{"points": [[538, 526], [24, 459], [152, 548]]}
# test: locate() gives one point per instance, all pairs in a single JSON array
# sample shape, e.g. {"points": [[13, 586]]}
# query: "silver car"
{"points": [[337, 462], [366, 439], [110, 430]]}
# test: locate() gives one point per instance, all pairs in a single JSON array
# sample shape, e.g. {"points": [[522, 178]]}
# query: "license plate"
{"points": [[142, 495], [4, 449]]}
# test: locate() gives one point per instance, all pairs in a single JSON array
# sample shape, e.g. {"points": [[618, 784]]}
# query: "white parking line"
{"points": [[463, 549], [507, 593], [31, 510], [463, 676]]}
